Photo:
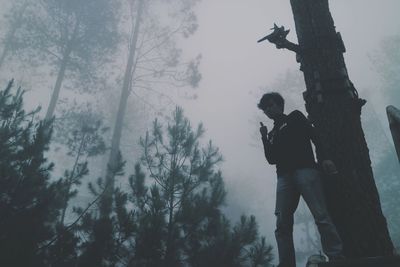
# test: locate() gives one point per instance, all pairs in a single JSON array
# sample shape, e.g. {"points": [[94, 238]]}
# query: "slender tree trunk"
{"points": [[57, 86], [11, 33], [61, 74], [170, 249], [70, 180], [117, 133], [334, 107], [5, 52]]}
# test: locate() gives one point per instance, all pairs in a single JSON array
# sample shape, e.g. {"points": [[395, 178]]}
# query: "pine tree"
{"points": [[154, 58], [180, 215], [80, 129], [172, 219], [73, 38], [29, 202], [14, 20], [102, 243]]}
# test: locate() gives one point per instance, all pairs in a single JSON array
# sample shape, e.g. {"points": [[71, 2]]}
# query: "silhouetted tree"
{"points": [[64, 250], [154, 58], [182, 208], [29, 201], [14, 21], [102, 235], [81, 130], [174, 219], [74, 37]]}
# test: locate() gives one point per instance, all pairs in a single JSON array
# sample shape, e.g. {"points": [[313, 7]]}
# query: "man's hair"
{"points": [[274, 96]]}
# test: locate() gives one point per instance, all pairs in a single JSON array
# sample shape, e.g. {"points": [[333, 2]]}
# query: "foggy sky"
{"points": [[234, 66]]}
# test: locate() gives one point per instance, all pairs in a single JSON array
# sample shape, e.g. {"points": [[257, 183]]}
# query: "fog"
{"points": [[235, 66], [235, 71]]}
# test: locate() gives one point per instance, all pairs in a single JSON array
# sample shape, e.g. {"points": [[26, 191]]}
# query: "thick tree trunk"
{"points": [[117, 133], [335, 109]]}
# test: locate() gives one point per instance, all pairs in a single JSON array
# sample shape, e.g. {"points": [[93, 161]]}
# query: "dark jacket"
{"points": [[288, 145]]}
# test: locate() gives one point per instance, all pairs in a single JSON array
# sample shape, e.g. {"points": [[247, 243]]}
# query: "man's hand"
{"points": [[263, 130], [329, 167]]}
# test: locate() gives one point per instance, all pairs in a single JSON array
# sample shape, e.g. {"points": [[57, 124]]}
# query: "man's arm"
{"points": [[322, 155], [269, 150], [311, 131]]}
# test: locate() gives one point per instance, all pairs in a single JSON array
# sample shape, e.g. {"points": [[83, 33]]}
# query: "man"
{"points": [[288, 145]]}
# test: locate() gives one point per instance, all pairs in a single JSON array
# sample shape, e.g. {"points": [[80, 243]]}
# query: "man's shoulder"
{"points": [[296, 114], [296, 117]]}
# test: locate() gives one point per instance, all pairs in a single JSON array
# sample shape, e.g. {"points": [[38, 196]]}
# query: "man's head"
{"points": [[272, 104]]}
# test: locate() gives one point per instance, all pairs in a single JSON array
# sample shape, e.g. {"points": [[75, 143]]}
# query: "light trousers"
{"points": [[306, 183]]}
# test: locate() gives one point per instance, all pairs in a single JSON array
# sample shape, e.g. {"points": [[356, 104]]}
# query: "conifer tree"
{"points": [[80, 129], [174, 217], [14, 20], [29, 202], [74, 38], [104, 236], [183, 206], [154, 58]]}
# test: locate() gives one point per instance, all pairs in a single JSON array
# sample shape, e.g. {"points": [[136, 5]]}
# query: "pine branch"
{"points": [[74, 223]]}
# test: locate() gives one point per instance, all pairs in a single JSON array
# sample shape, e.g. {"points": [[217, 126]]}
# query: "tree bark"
{"points": [[335, 109], [117, 133]]}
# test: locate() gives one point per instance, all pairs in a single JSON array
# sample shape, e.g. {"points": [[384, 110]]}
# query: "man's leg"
{"points": [[287, 199], [310, 187]]}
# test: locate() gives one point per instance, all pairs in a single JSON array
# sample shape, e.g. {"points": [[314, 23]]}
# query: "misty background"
{"points": [[235, 72]]}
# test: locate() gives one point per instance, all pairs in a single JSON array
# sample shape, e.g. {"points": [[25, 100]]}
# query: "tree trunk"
{"points": [[6, 49], [9, 39], [71, 181], [117, 133], [335, 109], [170, 246], [61, 74], [57, 86], [393, 115]]}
